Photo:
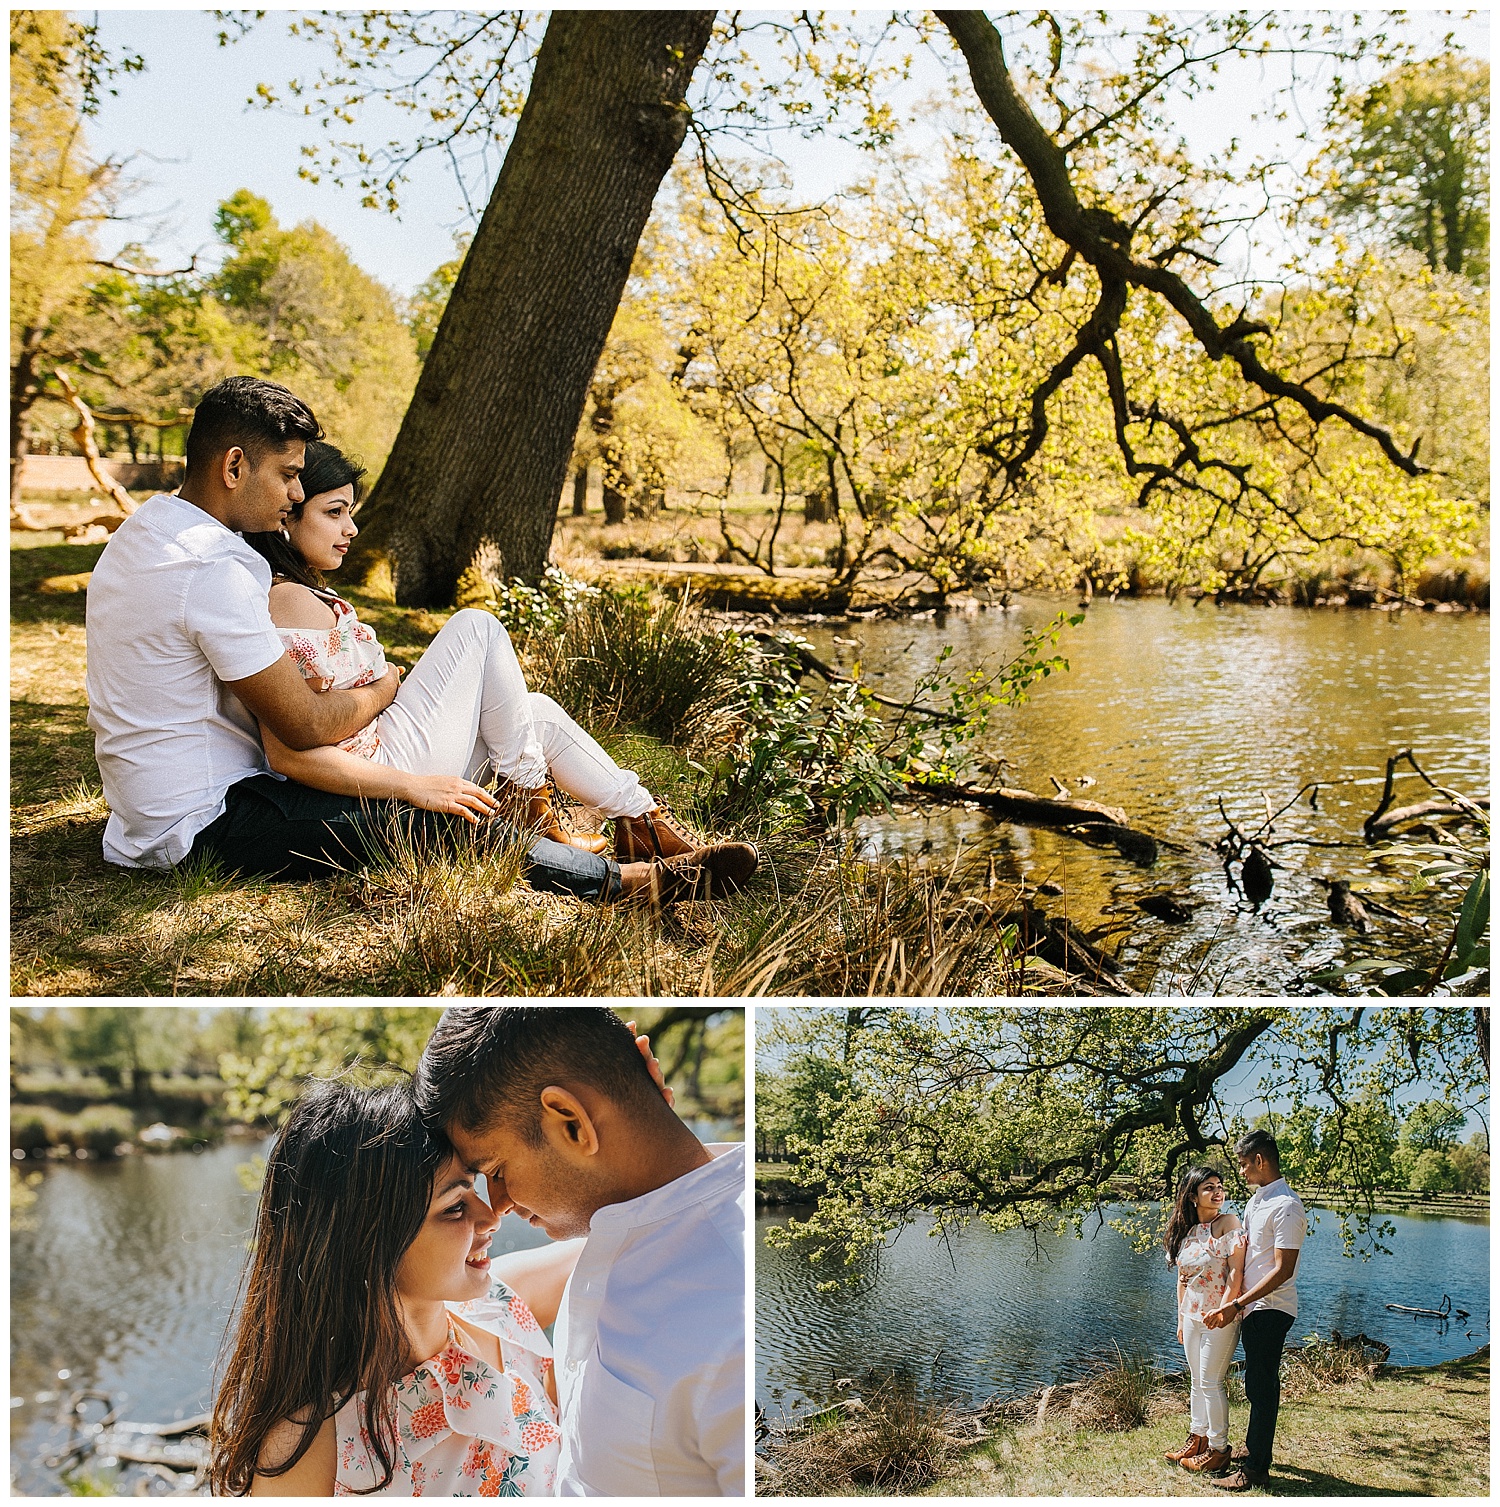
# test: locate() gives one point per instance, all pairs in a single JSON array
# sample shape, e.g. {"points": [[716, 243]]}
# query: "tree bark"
{"points": [[480, 462], [580, 491]]}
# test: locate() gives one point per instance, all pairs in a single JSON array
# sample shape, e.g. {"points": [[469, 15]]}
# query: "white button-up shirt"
{"points": [[1274, 1220], [650, 1342]]}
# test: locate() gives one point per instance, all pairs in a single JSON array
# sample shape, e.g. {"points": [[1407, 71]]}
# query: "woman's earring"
{"points": [[282, 531]]}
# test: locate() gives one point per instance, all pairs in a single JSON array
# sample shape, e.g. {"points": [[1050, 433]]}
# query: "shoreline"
{"points": [[776, 1190]]}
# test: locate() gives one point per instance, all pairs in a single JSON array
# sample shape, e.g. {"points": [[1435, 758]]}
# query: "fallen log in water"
{"points": [[1425, 1313], [1090, 821]]}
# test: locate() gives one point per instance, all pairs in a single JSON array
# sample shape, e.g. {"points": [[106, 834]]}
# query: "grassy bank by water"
{"points": [[1418, 1431], [812, 922]]}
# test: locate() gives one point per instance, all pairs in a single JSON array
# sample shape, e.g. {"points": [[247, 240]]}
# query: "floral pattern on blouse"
{"points": [[341, 657], [462, 1428], [1203, 1262]]}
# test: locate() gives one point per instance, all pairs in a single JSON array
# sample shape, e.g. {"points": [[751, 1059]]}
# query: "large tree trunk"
{"points": [[482, 456]]}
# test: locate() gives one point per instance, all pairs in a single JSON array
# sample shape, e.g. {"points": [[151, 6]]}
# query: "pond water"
{"points": [[123, 1275], [1167, 707], [985, 1314]]}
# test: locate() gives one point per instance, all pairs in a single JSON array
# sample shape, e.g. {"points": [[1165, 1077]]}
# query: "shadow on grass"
{"points": [[29, 566]]}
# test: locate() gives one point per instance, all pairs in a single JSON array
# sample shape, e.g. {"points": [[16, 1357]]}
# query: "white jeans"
{"points": [[1209, 1352], [465, 706]]}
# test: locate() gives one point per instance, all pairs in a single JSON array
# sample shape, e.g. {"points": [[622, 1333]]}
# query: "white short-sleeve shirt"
{"points": [[651, 1342], [1274, 1220], [177, 605]]}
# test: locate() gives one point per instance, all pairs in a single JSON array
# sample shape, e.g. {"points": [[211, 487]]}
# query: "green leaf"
{"points": [[1474, 916]]}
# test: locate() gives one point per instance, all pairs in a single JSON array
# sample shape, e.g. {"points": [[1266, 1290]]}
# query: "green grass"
{"points": [[1415, 1432], [813, 921]]}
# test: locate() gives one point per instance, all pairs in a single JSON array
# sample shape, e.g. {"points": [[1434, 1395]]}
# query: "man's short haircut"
{"points": [[252, 413], [1259, 1143], [487, 1065]]}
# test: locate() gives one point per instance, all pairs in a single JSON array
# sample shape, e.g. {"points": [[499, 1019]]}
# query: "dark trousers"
{"points": [[1262, 1333], [284, 830]]}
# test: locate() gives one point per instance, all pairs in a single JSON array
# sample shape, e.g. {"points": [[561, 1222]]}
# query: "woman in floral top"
{"points": [[1206, 1243], [378, 1347]]}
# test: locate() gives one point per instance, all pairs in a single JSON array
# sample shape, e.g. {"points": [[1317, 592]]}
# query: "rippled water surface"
{"points": [[985, 1314], [1167, 707]]}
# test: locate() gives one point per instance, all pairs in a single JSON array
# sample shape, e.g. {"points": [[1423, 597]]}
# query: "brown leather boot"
{"points": [[700, 874], [534, 809], [1195, 1444], [1211, 1460], [655, 834]]}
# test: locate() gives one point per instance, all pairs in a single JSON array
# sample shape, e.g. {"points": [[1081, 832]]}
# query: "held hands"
{"points": [[1221, 1316], [450, 795], [652, 1065]]}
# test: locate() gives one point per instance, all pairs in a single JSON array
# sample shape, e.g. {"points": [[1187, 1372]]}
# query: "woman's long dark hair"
{"points": [[347, 1188], [327, 469], [1185, 1213]]}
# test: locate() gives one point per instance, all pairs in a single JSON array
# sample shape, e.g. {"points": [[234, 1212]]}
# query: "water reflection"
{"points": [[981, 1313], [1167, 707]]}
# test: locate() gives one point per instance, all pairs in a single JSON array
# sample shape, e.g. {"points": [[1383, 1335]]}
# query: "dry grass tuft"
{"points": [[891, 1443], [1120, 1395]]}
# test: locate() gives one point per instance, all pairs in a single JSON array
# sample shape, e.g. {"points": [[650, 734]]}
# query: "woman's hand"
{"points": [[652, 1065], [450, 795]]}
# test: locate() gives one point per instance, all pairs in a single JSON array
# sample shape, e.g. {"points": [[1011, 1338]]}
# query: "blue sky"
{"points": [[194, 140]]}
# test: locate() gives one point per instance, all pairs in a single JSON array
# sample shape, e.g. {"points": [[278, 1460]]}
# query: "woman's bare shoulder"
{"points": [[312, 1476], [1228, 1221], [294, 606]]}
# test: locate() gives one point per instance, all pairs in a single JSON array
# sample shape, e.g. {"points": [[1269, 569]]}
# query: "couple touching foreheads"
{"points": [[380, 1348]]}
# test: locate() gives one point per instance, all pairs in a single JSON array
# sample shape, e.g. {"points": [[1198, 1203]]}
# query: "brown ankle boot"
{"points": [[655, 834], [1195, 1443], [700, 874], [534, 809], [1211, 1461]]}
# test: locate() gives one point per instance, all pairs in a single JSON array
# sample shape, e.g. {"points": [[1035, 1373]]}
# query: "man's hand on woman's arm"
{"points": [[303, 718]]}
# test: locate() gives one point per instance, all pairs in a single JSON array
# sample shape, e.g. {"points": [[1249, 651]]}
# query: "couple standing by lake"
{"points": [[1236, 1282], [380, 1349]]}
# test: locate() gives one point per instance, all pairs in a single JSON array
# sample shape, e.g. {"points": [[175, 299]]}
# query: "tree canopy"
{"points": [[1021, 1117], [932, 359], [1408, 162]]}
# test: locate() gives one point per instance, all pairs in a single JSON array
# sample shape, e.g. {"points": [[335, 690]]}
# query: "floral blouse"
{"points": [[1203, 1263], [343, 656], [464, 1429]]}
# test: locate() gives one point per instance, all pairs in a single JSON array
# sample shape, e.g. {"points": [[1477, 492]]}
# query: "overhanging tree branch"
{"points": [[1103, 240]]}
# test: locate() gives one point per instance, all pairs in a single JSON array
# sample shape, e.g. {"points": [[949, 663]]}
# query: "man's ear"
{"points": [[233, 467], [566, 1124]]}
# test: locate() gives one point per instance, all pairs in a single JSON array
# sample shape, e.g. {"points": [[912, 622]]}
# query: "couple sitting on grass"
{"points": [[243, 714]]}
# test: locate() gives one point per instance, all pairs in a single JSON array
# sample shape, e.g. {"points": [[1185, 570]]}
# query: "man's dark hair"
{"points": [[249, 412], [488, 1064], [1259, 1143]]}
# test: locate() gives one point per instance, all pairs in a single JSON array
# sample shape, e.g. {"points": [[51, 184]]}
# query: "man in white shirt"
{"points": [[184, 661], [555, 1106], [1275, 1229]]}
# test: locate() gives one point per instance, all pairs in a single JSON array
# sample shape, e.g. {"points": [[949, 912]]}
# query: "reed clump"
{"points": [[890, 1442]]}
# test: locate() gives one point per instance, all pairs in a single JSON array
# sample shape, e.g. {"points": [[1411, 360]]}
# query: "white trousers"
{"points": [[465, 707], [1209, 1352]]}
